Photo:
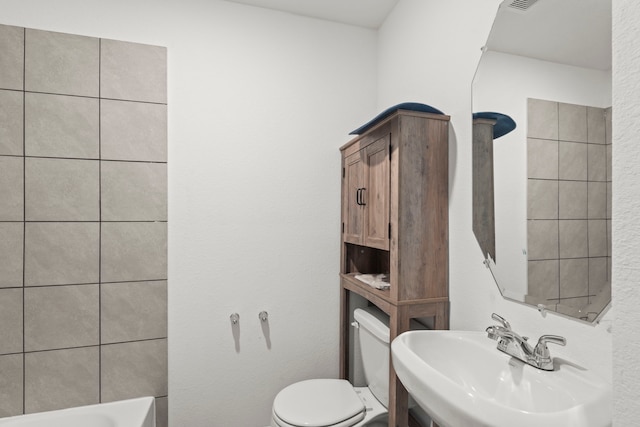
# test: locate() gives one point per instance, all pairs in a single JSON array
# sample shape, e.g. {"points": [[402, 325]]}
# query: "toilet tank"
{"points": [[373, 336], [374, 345]]}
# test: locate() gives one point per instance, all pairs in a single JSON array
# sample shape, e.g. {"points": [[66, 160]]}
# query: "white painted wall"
{"points": [[502, 83], [429, 51], [259, 102], [224, 97], [626, 205]]}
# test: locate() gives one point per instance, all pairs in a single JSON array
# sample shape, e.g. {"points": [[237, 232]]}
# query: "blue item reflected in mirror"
{"points": [[504, 124]]}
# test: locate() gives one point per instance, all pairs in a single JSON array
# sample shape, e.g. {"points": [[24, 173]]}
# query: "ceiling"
{"points": [[573, 32], [362, 13]]}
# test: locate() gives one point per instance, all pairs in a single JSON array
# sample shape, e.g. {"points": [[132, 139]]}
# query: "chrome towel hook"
{"points": [[235, 318]]}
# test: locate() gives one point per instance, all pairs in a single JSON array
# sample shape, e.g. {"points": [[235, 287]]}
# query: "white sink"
{"points": [[462, 380]]}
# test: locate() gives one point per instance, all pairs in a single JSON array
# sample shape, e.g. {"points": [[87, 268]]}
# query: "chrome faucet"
{"points": [[517, 346]]}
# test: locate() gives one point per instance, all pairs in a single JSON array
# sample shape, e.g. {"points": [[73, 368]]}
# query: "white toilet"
{"points": [[336, 403]]}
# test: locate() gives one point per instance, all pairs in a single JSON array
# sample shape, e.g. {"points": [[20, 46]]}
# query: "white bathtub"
{"points": [[138, 412]]}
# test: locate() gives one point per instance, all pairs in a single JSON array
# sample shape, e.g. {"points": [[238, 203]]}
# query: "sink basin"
{"points": [[462, 380]]}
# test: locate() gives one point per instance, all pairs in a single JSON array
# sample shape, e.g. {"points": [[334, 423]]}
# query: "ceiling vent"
{"points": [[521, 4]]}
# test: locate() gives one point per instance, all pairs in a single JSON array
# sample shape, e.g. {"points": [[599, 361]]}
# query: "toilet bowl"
{"points": [[337, 403], [325, 402]]}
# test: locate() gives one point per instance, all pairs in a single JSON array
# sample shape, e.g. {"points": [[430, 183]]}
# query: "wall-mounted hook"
{"points": [[263, 315], [542, 309], [235, 318]]}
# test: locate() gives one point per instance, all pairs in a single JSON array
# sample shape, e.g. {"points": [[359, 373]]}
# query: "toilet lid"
{"points": [[317, 403]]}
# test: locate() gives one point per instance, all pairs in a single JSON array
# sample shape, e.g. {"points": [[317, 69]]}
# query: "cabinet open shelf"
{"points": [[382, 297]]}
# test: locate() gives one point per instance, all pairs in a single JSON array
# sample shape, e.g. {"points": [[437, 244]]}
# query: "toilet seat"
{"points": [[346, 423], [318, 403]]}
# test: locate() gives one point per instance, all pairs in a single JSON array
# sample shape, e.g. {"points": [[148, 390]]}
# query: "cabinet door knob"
{"points": [[362, 190], [358, 197]]}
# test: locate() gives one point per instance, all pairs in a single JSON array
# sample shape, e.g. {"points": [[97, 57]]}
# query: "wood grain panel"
{"points": [[353, 212], [398, 395], [376, 194], [423, 209], [484, 226], [362, 259]]}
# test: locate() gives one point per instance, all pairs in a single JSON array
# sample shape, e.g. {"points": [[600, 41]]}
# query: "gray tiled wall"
{"points": [[569, 201], [83, 221]]}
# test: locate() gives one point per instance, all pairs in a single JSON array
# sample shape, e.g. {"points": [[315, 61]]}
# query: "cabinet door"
{"points": [[352, 207], [375, 195]]}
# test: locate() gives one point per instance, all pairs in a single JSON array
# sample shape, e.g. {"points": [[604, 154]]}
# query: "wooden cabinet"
{"points": [[366, 195], [395, 221]]}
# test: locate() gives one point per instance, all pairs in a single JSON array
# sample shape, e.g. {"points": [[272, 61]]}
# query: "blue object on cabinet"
{"points": [[411, 106]]}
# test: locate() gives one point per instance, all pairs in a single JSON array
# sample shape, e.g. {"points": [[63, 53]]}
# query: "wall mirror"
{"points": [[547, 65]]}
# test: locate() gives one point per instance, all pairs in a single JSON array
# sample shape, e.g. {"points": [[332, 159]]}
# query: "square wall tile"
{"points": [[542, 239], [573, 238], [61, 253], [531, 300], [596, 125], [598, 300], [542, 119], [11, 188], [11, 57], [11, 243], [609, 243], [61, 126], [134, 251], [608, 162], [597, 162], [133, 131], [575, 302], [10, 321], [62, 190], [134, 369], [11, 122], [162, 412], [609, 199], [133, 311], [573, 199], [58, 317], [597, 275], [542, 199], [11, 390], [544, 279], [572, 161], [597, 208], [61, 379], [572, 121], [133, 71], [61, 63], [133, 191], [598, 238], [608, 125], [574, 278], [542, 159]]}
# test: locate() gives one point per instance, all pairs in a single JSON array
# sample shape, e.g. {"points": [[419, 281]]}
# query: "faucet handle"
{"points": [[492, 333], [554, 339], [542, 351], [502, 320]]}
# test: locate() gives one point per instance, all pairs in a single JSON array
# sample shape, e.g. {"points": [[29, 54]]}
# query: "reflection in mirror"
{"points": [[487, 127], [483, 215], [548, 67]]}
